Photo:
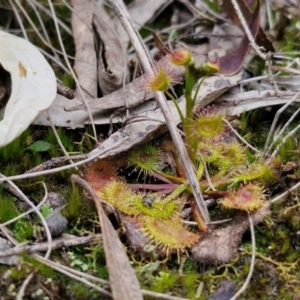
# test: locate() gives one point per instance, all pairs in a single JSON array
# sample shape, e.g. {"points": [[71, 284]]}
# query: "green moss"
{"points": [[78, 290], [14, 150], [191, 282], [8, 209], [42, 268], [288, 150], [67, 139], [23, 230], [74, 206], [20, 273], [164, 281], [68, 81]]}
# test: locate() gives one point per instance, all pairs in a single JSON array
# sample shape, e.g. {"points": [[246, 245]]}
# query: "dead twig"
{"points": [[256, 48], [65, 91], [24, 285], [39, 214], [75, 164], [285, 194], [70, 68], [285, 69], [291, 133], [247, 281], [240, 137], [62, 269], [56, 244]]}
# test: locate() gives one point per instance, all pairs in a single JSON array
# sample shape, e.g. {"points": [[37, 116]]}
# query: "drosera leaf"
{"points": [[33, 85], [39, 146]]}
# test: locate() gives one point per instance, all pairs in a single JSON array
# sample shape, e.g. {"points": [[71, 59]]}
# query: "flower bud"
{"points": [[181, 57]]}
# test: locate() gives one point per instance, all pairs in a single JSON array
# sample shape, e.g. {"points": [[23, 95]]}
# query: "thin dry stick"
{"points": [[36, 30], [47, 12], [247, 281], [291, 133], [265, 57], [146, 62], [71, 272], [161, 296], [43, 27], [24, 285], [285, 194], [27, 212], [18, 19], [58, 62], [284, 128], [247, 31], [44, 223], [240, 137], [70, 68], [58, 268], [269, 14], [56, 244], [52, 171], [275, 120], [211, 186], [285, 69], [59, 140], [86, 276]]}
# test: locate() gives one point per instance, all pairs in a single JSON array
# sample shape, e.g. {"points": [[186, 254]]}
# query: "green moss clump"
{"points": [[74, 206], [8, 209]]}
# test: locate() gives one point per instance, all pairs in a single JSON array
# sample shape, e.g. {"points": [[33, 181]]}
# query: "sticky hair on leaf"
{"points": [[169, 234], [119, 195], [208, 124], [230, 156], [100, 172], [209, 151], [160, 81], [235, 152], [248, 198], [146, 158], [256, 171], [159, 208]]}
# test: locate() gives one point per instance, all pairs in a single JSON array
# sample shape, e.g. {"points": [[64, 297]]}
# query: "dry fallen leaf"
{"points": [[261, 37], [112, 64], [140, 12], [33, 85], [85, 57], [233, 61]]}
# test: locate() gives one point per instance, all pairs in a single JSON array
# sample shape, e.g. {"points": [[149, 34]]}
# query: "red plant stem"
{"points": [[154, 187], [198, 216]]}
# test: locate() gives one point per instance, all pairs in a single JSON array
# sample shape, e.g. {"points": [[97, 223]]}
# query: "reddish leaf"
{"points": [[261, 38], [233, 61]]}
